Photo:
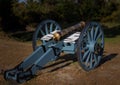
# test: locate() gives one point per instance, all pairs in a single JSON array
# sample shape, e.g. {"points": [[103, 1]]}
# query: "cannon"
{"points": [[49, 41]]}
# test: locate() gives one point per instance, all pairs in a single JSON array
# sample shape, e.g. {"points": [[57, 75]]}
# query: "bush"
{"points": [[113, 13], [35, 12], [59, 10], [88, 10], [114, 17]]}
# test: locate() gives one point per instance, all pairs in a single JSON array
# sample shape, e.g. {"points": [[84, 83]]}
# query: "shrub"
{"points": [[113, 13], [60, 10]]}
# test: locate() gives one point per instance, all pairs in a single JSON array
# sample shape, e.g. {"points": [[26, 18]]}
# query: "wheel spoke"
{"points": [[96, 31], [92, 33], [100, 34], [95, 59], [98, 58], [46, 29], [56, 28], [88, 35], [100, 43], [85, 54], [51, 27], [99, 40], [88, 58], [91, 60], [42, 32]]}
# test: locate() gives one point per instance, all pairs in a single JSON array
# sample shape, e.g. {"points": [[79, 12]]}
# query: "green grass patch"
{"points": [[113, 40]]}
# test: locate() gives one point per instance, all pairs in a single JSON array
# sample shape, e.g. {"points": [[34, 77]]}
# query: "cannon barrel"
{"points": [[69, 30], [75, 27]]}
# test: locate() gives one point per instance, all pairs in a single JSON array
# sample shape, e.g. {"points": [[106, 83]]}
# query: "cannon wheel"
{"points": [[44, 28], [90, 46]]}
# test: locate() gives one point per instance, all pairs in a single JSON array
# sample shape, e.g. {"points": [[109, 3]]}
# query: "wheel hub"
{"points": [[92, 46]]}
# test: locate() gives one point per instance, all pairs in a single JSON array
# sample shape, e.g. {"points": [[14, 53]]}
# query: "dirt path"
{"points": [[65, 71]]}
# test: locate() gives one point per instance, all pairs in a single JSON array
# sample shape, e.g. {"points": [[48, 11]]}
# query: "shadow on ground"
{"points": [[62, 61], [68, 59], [23, 36], [108, 58]]}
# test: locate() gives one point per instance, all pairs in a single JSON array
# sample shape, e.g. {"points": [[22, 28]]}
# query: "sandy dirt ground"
{"points": [[66, 70]]}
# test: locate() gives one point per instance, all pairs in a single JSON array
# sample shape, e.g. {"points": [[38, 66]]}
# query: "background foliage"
{"points": [[16, 16]]}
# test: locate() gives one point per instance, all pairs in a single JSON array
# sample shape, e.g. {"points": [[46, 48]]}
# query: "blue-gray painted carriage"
{"points": [[49, 41]]}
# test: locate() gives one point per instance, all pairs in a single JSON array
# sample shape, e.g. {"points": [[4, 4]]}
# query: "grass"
{"points": [[113, 40]]}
